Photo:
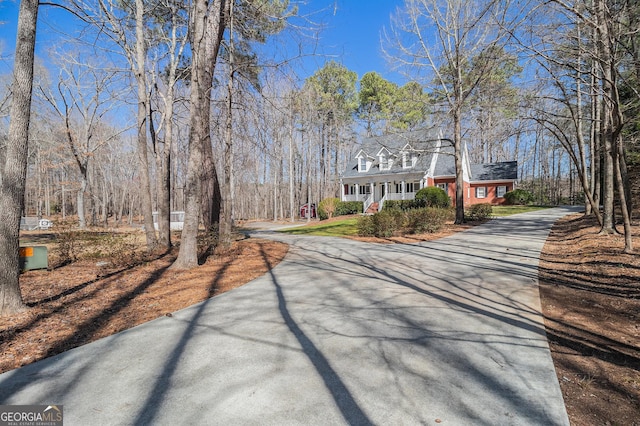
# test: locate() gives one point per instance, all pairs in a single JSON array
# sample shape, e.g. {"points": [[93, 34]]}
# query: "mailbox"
{"points": [[33, 257]]}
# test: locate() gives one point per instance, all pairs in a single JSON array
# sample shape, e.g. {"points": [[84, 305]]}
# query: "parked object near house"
{"points": [[304, 211], [32, 223], [45, 224], [395, 167], [33, 257], [176, 221]]}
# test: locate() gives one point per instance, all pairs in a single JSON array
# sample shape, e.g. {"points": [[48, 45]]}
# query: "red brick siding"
{"points": [[490, 193], [469, 191]]}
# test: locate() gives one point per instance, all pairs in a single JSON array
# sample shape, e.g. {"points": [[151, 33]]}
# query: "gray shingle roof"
{"points": [[423, 144], [495, 171]]}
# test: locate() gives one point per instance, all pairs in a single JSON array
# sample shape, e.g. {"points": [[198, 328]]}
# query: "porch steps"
{"points": [[373, 208]]}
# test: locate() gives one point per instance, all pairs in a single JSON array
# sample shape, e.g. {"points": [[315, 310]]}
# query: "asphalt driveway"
{"points": [[341, 332]]}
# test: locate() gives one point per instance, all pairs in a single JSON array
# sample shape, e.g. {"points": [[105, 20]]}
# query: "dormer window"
{"points": [[409, 157], [409, 160], [385, 159], [362, 164], [384, 162], [364, 161]]}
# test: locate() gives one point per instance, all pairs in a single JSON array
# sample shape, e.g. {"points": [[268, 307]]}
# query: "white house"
{"points": [[395, 167]]}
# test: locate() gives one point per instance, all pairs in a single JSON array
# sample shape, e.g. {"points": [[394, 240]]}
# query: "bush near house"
{"points": [[327, 208], [519, 197], [403, 205], [396, 221], [427, 220], [330, 207], [479, 211], [349, 207], [386, 223], [431, 196], [382, 224], [365, 226], [434, 197]]}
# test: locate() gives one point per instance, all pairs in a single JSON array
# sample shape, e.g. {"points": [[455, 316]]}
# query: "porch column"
{"points": [[373, 194], [357, 192], [403, 188]]}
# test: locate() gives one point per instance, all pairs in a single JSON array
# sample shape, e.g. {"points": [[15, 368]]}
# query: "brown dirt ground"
{"points": [[590, 295]]}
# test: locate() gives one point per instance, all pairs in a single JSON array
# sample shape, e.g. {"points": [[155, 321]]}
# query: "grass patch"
{"points": [[509, 210], [337, 228]]}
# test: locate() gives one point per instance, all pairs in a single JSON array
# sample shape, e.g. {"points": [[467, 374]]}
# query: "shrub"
{"points": [[365, 226], [382, 224], [67, 248], [386, 222], [518, 197], [349, 207], [330, 207], [426, 220], [403, 205], [327, 208], [479, 211], [433, 197]]}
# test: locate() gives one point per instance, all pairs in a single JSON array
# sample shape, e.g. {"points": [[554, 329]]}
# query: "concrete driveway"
{"points": [[341, 332]]}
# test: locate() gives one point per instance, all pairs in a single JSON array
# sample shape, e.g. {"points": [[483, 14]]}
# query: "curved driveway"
{"points": [[341, 332]]}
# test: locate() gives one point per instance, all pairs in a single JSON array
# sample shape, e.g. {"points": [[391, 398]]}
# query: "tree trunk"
{"points": [[622, 193], [211, 198], [594, 144], [163, 178], [163, 184], [143, 102], [14, 169], [82, 222], [457, 147], [291, 176], [207, 29], [226, 212], [607, 117]]}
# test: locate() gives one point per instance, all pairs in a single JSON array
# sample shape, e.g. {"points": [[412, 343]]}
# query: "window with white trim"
{"points": [[481, 192], [362, 164], [384, 162], [501, 190], [349, 189], [412, 186], [443, 186], [365, 189], [408, 160]]}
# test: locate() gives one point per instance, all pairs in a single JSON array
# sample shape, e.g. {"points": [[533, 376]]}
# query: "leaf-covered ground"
{"points": [[590, 293]]}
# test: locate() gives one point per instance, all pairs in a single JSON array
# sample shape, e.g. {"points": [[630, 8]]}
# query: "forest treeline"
{"points": [[163, 105]]}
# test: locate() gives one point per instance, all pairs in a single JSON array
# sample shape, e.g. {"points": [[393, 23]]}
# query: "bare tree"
{"points": [[453, 45], [165, 75], [600, 20], [114, 19], [84, 98], [207, 28], [14, 167]]}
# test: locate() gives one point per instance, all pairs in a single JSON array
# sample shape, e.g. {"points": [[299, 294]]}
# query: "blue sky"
{"points": [[351, 35]]}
